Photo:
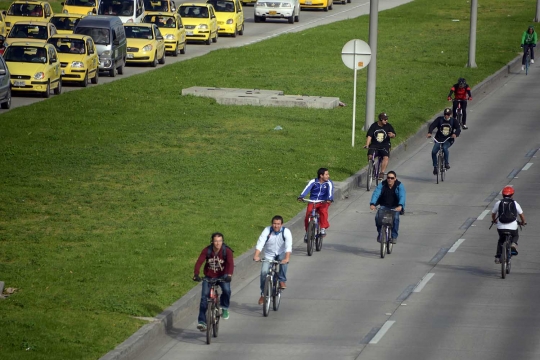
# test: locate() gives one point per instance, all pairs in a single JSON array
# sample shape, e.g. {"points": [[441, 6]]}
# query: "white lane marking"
{"points": [[382, 331], [527, 166], [423, 283], [456, 245], [483, 215]]}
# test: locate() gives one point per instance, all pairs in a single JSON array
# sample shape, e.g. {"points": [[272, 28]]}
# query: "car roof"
{"points": [[70, 36], [164, 13], [30, 22], [29, 2], [139, 24], [196, 4], [68, 15], [99, 20], [29, 43]]}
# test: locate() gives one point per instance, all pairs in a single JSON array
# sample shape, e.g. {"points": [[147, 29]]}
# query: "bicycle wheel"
{"points": [[459, 116], [527, 62], [383, 239], [442, 168], [311, 238], [503, 261], [209, 322], [438, 166], [276, 295], [369, 176], [389, 245], [376, 171], [508, 257], [318, 241], [267, 294], [215, 324]]}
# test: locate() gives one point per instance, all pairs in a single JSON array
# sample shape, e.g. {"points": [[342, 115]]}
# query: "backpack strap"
{"points": [[282, 231], [209, 251]]}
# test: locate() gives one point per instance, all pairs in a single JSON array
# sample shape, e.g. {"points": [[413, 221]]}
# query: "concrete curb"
{"points": [[244, 265]]}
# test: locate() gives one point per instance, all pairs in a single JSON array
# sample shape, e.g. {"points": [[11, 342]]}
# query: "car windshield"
{"points": [[65, 23], [139, 32], [68, 46], [150, 5], [222, 6], [160, 21], [86, 3], [17, 9], [116, 7], [193, 11], [28, 32], [100, 36], [29, 54]]}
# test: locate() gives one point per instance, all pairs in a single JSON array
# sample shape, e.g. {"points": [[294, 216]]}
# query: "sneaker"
{"points": [[447, 166], [497, 260], [282, 285], [201, 326], [261, 300], [465, 127], [323, 232], [381, 175], [225, 314], [379, 238], [532, 61], [305, 238], [522, 67], [514, 249], [435, 170], [393, 240]]}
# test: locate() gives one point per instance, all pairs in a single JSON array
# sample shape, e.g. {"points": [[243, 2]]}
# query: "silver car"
{"points": [[277, 9], [5, 84]]}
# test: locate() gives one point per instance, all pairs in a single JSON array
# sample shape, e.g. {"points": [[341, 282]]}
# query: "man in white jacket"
{"points": [[277, 243]]}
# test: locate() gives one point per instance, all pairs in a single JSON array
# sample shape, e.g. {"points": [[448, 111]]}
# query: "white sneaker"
{"points": [[323, 231], [532, 61], [522, 67]]}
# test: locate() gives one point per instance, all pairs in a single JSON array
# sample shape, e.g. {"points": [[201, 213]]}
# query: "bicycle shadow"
{"points": [[354, 250], [472, 270], [246, 309]]}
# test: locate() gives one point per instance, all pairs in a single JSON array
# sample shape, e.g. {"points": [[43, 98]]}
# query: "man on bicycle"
{"points": [[462, 93], [321, 188], [219, 264], [447, 127], [381, 132], [505, 213], [277, 243], [389, 194], [528, 42]]}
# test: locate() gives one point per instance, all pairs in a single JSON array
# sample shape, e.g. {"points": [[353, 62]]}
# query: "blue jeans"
{"points": [[224, 299], [282, 274], [395, 227], [445, 147]]}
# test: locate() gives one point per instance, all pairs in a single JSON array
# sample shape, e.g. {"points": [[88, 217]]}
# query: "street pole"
{"points": [[472, 36], [372, 67], [537, 17]]}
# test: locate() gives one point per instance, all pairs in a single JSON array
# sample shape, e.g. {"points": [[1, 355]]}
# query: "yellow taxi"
{"points": [[35, 31], [170, 26], [200, 22], [159, 5], [317, 4], [34, 67], [81, 7], [3, 29], [145, 44], [65, 23], [78, 58], [230, 16], [28, 10]]}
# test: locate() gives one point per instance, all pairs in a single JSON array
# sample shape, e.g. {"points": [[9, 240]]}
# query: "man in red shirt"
{"points": [[219, 264], [462, 93]]}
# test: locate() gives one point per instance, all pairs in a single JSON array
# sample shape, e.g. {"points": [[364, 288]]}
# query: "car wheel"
{"points": [[154, 63], [112, 72], [257, 19], [95, 78], [121, 68], [215, 38], [235, 32], [209, 41], [47, 93], [290, 19], [349, 1], [241, 32], [162, 60], [58, 89], [331, 7], [297, 17], [85, 80], [326, 8], [183, 51], [177, 50], [7, 103]]}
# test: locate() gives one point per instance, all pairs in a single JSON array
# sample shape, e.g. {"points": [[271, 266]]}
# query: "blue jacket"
{"points": [[400, 192], [318, 191]]}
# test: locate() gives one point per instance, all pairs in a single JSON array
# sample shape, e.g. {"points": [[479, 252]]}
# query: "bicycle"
{"points": [[386, 218], [527, 60], [314, 230], [506, 253], [459, 112], [374, 167], [272, 290], [441, 168], [213, 312]]}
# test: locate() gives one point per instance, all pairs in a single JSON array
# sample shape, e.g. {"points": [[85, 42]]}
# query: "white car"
{"points": [[277, 9]]}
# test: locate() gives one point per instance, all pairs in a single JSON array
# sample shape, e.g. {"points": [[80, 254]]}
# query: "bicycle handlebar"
{"points": [[312, 201], [441, 142], [270, 261], [521, 224]]}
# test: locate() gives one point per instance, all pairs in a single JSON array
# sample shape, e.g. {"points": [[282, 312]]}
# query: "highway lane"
{"points": [[253, 33], [347, 303]]}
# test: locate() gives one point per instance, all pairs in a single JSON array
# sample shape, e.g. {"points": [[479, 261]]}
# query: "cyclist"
{"points": [[389, 194], [321, 188], [219, 264], [462, 92], [446, 127], [505, 213], [528, 42], [277, 243], [382, 132]]}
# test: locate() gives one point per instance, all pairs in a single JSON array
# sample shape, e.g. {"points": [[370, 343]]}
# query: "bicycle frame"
{"points": [[374, 168], [271, 287], [386, 232], [314, 236], [506, 251], [459, 111], [441, 168], [527, 60], [213, 312]]}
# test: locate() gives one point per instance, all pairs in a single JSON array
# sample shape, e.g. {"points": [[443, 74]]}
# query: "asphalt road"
{"points": [[253, 33], [439, 295]]}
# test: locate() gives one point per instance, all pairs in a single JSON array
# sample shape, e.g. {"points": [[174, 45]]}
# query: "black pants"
{"points": [[514, 237], [463, 110], [525, 47]]}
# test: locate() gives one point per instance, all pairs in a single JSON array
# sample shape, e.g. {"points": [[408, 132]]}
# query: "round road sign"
{"points": [[356, 54]]}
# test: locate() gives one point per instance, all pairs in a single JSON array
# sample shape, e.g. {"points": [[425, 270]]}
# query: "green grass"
{"points": [[109, 194]]}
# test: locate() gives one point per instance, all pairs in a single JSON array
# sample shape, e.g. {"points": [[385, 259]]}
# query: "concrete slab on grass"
{"points": [[257, 97]]}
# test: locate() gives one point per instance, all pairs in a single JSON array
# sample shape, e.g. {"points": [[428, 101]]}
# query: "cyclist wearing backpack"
{"points": [[446, 127], [219, 264], [277, 243], [462, 93], [505, 214]]}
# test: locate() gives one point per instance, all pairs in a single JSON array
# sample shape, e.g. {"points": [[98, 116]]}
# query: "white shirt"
{"points": [[510, 226], [276, 244]]}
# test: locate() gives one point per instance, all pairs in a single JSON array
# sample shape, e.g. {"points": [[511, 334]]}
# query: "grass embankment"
{"points": [[109, 194]]}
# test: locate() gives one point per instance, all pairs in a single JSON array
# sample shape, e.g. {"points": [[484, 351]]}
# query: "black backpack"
{"points": [[507, 211], [223, 249]]}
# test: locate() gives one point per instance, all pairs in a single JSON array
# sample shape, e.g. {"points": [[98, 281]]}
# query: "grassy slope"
{"points": [[109, 194]]}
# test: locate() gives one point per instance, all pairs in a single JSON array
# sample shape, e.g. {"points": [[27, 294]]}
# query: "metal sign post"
{"points": [[356, 54]]}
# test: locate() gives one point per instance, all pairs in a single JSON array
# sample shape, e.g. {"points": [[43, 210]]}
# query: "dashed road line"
{"points": [[483, 215], [382, 331], [456, 245], [527, 166], [423, 282]]}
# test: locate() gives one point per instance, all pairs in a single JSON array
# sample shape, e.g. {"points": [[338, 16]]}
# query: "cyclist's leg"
{"points": [[322, 208], [378, 224], [464, 112], [434, 152], [225, 297], [370, 154], [308, 213], [499, 244], [446, 152], [264, 271], [395, 227], [204, 302], [514, 237], [282, 274], [386, 156], [532, 51], [524, 58], [454, 108]]}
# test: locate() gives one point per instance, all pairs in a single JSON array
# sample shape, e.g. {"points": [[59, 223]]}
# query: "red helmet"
{"points": [[508, 191]]}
